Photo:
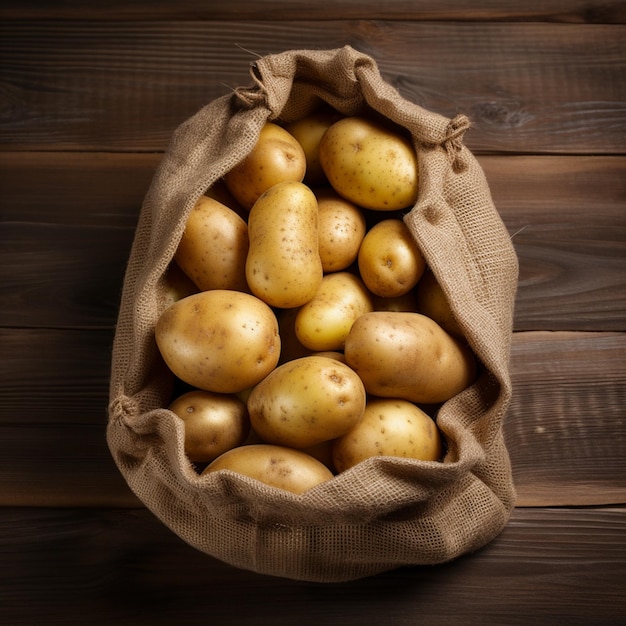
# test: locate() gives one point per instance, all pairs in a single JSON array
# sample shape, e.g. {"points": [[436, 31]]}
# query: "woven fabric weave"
{"points": [[385, 512]]}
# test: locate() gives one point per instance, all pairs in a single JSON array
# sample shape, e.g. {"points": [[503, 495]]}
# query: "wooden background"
{"points": [[89, 96]]}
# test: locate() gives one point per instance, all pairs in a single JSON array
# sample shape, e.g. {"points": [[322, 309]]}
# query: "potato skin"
{"points": [[390, 263], [276, 157], [214, 423], [408, 355], [214, 247], [389, 427], [369, 164], [324, 322], [277, 466], [220, 340], [342, 227], [433, 302], [283, 266], [306, 401]]}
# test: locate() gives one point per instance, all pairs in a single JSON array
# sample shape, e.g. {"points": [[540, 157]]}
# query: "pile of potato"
{"points": [[302, 318]]}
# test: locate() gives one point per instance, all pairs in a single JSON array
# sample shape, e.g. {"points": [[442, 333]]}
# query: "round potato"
{"points": [[389, 427], [277, 466], [408, 356], [276, 157], [214, 247], [306, 401], [432, 301], [342, 227], [308, 132], [370, 164], [283, 266], [222, 341], [214, 423], [324, 322], [390, 263]]}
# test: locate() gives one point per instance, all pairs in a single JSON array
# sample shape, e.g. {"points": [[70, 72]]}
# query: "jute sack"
{"points": [[386, 512]]}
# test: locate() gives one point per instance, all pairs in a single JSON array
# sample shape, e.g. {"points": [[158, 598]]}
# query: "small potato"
{"points": [[283, 267], [408, 356], [276, 157], [276, 466], [306, 401], [433, 302], [214, 423], [324, 322], [308, 131], [389, 427], [214, 247], [176, 285], [369, 164], [341, 230], [222, 341], [390, 263]]}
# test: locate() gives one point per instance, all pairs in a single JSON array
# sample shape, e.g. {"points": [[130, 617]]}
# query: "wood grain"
{"points": [[565, 430], [66, 239], [124, 86], [124, 567], [577, 11]]}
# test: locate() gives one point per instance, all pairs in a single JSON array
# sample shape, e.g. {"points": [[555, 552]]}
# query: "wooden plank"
{"points": [[565, 430], [107, 85], [66, 239], [548, 566], [577, 11]]}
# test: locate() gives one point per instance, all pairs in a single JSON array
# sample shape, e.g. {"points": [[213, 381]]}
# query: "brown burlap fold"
{"points": [[385, 512]]}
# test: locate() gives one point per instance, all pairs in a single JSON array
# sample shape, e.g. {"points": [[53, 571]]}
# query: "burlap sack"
{"points": [[386, 512]]}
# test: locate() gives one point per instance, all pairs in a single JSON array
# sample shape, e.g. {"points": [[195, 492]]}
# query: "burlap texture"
{"points": [[384, 513]]}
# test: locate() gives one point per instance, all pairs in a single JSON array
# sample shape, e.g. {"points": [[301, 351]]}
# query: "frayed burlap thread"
{"points": [[386, 512]]}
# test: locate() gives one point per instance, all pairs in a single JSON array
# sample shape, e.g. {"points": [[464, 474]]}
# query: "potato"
{"points": [[324, 322], [341, 230], [176, 286], [389, 427], [276, 466], [306, 401], [370, 164], [220, 340], [308, 132], [214, 247], [405, 302], [219, 191], [409, 356], [433, 302], [283, 266], [390, 263], [214, 423], [276, 157]]}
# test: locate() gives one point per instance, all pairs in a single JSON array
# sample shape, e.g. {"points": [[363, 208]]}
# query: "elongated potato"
{"points": [[283, 267], [409, 356], [277, 466]]}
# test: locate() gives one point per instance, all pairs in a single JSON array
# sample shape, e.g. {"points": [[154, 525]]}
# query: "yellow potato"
{"points": [[218, 191], [220, 340], [389, 427], [433, 302], [324, 322], [214, 423], [341, 230], [276, 466], [372, 165], [408, 356], [176, 286], [306, 401], [390, 263], [283, 266], [214, 247], [308, 131], [276, 157]]}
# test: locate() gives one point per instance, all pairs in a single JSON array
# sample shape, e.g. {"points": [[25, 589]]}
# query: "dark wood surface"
{"points": [[89, 96]]}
